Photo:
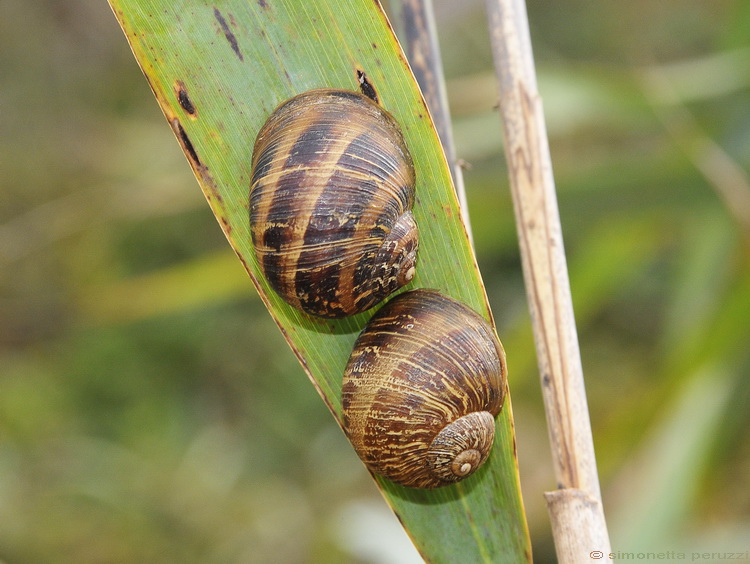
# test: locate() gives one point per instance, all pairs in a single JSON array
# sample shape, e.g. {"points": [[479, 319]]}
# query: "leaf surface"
{"points": [[218, 70]]}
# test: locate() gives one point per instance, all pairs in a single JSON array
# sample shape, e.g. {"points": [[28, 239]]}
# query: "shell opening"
{"points": [[465, 463], [406, 236], [409, 273], [461, 447]]}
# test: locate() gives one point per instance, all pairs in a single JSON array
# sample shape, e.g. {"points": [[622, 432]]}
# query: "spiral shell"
{"points": [[331, 193], [422, 389]]}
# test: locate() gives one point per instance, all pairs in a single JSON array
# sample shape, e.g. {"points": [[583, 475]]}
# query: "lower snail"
{"points": [[330, 203], [422, 388]]}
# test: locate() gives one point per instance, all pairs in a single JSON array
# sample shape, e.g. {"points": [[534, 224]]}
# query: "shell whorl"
{"points": [[332, 185], [422, 387], [461, 446]]}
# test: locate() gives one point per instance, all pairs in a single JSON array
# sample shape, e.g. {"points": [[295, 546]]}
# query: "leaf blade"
{"points": [[217, 73]]}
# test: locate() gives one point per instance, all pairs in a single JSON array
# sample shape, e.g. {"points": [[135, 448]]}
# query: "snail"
{"points": [[422, 388], [330, 203]]}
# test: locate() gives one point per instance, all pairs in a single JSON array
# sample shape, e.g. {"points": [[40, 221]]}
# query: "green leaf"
{"points": [[217, 72]]}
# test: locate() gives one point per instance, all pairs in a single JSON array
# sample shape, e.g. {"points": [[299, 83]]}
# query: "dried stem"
{"points": [[575, 509], [415, 27]]}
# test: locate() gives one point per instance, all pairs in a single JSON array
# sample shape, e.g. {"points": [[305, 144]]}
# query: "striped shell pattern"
{"points": [[422, 389], [331, 192]]}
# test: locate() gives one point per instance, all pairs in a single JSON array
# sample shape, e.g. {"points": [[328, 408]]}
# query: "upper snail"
{"points": [[330, 203]]}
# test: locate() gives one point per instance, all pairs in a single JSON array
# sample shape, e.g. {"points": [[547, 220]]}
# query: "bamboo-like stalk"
{"points": [[575, 508], [416, 30]]}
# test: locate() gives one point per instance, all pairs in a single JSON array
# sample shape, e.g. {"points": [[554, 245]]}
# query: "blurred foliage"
{"points": [[149, 409]]}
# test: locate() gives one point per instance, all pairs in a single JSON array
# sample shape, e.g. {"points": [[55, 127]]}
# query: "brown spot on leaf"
{"points": [[187, 145], [184, 100], [228, 34], [207, 181], [225, 225], [366, 87], [243, 261]]}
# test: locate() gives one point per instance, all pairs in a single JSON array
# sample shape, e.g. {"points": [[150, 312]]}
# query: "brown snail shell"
{"points": [[331, 193], [422, 389]]}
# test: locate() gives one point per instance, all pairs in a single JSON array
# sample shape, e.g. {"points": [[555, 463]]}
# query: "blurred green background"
{"points": [[150, 410]]}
